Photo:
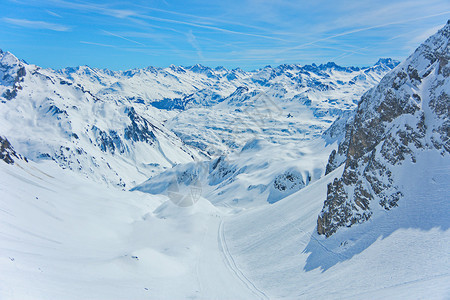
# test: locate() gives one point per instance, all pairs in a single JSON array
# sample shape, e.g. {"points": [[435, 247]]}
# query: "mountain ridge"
{"points": [[104, 118], [405, 114]]}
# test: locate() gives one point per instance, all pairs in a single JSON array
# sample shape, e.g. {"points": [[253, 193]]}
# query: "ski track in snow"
{"points": [[231, 264]]}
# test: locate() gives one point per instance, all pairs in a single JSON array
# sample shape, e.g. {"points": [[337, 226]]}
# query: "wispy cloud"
{"points": [[101, 9], [36, 24], [215, 28], [118, 13], [193, 41], [52, 13], [425, 34], [206, 20], [122, 37], [365, 29], [98, 44], [129, 14]]}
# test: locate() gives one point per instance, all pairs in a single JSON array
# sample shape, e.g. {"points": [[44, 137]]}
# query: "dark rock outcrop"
{"points": [[7, 152], [406, 113], [140, 129]]}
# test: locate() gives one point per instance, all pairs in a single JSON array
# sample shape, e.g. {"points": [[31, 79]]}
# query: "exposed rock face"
{"points": [[288, 181], [343, 124], [406, 113], [140, 129], [7, 152], [108, 141], [286, 184]]}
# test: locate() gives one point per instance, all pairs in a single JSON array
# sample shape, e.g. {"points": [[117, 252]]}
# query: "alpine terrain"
{"points": [[295, 181]]}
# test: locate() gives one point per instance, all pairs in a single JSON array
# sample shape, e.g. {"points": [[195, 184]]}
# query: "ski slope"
{"points": [[399, 254], [64, 237]]}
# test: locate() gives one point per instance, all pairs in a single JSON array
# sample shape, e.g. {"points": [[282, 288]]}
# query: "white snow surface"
{"points": [[65, 237], [261, 172], [65, 234]]}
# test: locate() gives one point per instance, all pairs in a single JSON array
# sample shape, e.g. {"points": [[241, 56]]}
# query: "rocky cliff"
{"points": [[408, 112]]}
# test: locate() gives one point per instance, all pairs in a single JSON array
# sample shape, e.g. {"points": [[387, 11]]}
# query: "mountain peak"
{"points": [[198, 68], [8, 58], [389, 62]]}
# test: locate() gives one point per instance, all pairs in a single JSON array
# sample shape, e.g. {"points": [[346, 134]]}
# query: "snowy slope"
{"points": [[62, 236], [48, 117], [259, 174], [66, 235], [403, 254]]}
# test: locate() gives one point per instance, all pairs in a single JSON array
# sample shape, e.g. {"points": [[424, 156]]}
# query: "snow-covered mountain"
{"points": [[260, 173], [216, 107], [249, 150], [283, 104], [279, 113], [398, 124], [179, 87], [49, 117], [123, 127]]}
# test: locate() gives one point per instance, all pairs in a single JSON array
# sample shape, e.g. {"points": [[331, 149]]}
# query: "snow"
{"points": [[68, 232], [401, 253], [261, 172], [53, 120], [63, 236]]}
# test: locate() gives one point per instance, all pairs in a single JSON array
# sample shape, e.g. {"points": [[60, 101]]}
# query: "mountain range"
{"points": [[298, 182]]}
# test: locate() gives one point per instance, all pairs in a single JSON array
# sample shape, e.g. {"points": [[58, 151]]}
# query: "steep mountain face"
{"points": [[7, 152], [12, 72], [46, 116], [405, 116]]}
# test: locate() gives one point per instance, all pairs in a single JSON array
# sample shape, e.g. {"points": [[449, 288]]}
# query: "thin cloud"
{"points": [[193, 41], [101, 9], [53, 13], [122, 37], [129, 14], [337, 58], [98, 44], [364, 29], [119, 13], [424, 35], [342, 50], [212, 20], [36, 24], [211, 27]]}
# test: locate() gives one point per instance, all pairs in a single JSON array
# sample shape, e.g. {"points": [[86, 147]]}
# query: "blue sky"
{"points": [[233, 33]]}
